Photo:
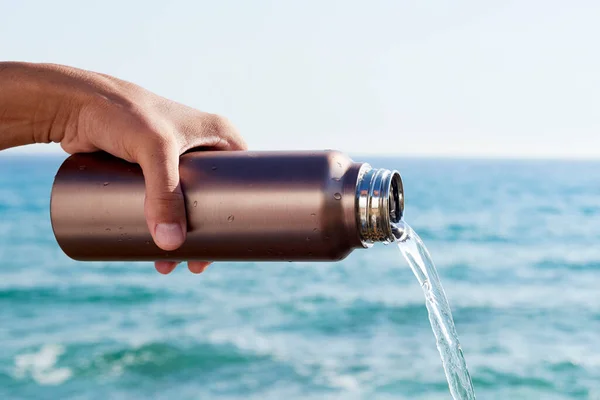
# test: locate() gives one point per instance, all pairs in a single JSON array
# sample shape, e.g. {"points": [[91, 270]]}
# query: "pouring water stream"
{"points": [[440, 316]]}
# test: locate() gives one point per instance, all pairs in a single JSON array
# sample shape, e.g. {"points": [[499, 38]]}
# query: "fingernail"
{"points": [[169, 235]]}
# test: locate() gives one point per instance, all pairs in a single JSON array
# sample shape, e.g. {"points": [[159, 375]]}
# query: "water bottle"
{"points": [[241, 206]]}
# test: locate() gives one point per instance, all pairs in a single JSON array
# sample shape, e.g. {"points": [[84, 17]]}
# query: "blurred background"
{"points": [[491, 112]]}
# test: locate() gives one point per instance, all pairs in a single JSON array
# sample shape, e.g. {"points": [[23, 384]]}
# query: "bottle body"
{"points": [[241, 206]]}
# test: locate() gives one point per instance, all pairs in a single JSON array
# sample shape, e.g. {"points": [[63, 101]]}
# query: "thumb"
{"points": [[164, 205]]}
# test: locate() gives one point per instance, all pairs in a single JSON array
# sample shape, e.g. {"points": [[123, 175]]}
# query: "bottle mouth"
{"points": [[396, 198], [380, 203]]}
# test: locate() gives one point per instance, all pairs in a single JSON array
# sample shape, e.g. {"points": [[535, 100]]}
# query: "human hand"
{"points": [[86, 111]]}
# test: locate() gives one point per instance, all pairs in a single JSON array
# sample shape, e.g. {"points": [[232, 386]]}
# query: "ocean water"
{"points": [[516, 244]]}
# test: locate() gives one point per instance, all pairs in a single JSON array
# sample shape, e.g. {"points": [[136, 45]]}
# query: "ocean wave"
{"points": [[41, 366], [463, 233], [9, 199], [483, 306], [338, 318], [117, 294], [493, 378], [151, 360], [159, 359], [558, 264], [231, 361]]}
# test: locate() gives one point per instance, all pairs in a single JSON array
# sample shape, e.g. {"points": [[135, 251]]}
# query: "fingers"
{"points": [[197, 267], [165, 267], [159, 160], [164, 205]]}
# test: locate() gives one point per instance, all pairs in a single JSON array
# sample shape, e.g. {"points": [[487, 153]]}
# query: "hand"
{"points": [[86, 111]]}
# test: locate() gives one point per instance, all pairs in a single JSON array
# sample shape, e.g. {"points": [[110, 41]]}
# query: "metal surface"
{"points": [[241, 206], [380, 202]]}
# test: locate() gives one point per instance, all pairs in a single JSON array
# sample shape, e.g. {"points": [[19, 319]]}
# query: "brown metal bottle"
{"points": [[241, 206]]}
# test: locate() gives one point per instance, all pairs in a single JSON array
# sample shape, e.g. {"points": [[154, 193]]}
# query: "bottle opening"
{"points": [[380, 203], [396, 200]]}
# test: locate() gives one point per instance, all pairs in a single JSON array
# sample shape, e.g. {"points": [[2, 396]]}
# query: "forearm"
{"points": [[35, 104]]}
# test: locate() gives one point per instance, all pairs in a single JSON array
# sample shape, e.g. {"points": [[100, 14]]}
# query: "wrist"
{"points": [[37, 103]]}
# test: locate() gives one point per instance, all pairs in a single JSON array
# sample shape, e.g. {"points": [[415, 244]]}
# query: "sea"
{"points": [[516, 244]]}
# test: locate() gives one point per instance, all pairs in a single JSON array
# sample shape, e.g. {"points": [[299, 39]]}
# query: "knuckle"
{"points": [[223, 131], [238, 143], [217, 125], [149, 142], [157, 146], [159, 141], [166, 206], [166, 197], [162, 184]]}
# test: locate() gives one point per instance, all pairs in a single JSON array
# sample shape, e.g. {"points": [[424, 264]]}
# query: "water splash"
{"points": [[440, 316]]}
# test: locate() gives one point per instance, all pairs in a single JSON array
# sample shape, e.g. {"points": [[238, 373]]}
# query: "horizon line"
{"points": [[11, 153]]}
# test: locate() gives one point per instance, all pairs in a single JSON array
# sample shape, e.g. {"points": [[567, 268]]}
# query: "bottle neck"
{"points": [[380, 202]]}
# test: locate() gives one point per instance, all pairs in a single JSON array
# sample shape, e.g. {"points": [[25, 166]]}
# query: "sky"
{"points": [[461, 78]]}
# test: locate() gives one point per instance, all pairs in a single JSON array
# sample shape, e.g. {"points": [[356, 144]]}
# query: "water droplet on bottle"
{"points": [[119, 240], [230, 218], [337, 196], [249, 250], [107, 229], [309, 254], [315, 229], [147, 242], [313, 215], [195, 204], [106, 183], [308, 239], [214, 168], [335, 179], [339, 164], [120, 228], [326, 237], [130, 238], [82, 167]]}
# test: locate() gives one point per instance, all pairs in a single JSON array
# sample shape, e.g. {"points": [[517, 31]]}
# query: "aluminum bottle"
{"points": [[241, 206]]}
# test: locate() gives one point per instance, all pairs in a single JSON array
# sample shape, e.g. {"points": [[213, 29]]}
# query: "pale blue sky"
{"points": [[457, 78]]}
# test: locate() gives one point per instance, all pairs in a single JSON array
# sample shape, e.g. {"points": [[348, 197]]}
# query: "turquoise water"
{"points": [[516, 244]]}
